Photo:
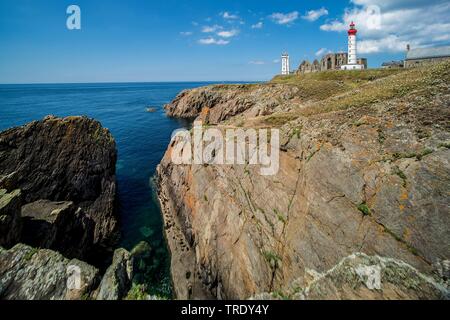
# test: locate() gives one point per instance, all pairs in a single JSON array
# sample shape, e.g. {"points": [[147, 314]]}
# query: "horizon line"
{"points": [[118, 82]]}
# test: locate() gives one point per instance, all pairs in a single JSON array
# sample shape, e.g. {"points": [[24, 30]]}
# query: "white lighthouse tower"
{"points": [[285, 65], [352, 63]]}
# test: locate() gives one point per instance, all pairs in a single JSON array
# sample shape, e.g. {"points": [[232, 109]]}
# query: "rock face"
{"points": [[117, 280], [71, 159], [220, 102], [362, 277], [59, 226], [359, 276], [364, 170], [40, 274], [10, 222]]}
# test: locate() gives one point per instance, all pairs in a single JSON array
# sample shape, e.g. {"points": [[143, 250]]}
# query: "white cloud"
{"points": [[257, 62], [313, 15], [390, 43], [276, 61], [387, 26], [211, 29], [211, 40], [258, 25], [186, 33], [284, 18], [322, 51], [228, 34], [229, 16]]}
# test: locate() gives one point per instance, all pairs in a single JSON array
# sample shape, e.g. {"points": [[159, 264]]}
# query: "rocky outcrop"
{"points": [[40, 274], [118, 278], [27, 273], [10, 222], [220, 102], [59, 226], [359, 276], [365, 170], [64, 160]]}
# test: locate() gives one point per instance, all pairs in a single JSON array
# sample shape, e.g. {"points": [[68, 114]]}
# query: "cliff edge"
{"points": [[364, 169]]}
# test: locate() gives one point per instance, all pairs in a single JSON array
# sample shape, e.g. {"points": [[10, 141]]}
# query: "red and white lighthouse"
{"points": [[352, 44], [352, 63]]}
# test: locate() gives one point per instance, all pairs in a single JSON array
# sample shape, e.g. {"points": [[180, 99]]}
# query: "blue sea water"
{"points": [[141, 138]]}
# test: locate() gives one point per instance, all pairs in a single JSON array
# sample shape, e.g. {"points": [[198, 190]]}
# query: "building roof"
{"points": [[426, 53], [392, 63]]}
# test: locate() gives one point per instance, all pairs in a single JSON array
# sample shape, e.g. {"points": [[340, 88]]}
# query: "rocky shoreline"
{"points": [[58, 223], [358, 209], [364, 172]]}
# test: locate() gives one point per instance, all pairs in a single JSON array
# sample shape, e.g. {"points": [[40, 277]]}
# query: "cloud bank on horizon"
{"points": [[391, 25], [385, 26]]}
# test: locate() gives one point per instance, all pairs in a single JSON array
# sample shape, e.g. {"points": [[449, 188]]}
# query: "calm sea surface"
{"points": [[141, 138]]}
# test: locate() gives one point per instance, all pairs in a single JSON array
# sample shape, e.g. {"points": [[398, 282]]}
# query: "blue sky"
{"points": [[137, 40]]}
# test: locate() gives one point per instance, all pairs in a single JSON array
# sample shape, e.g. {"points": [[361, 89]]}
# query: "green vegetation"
{"points": [[31, 253], [444, 145], [381, 136], [281, 295], [296, 132], [396, 170], [365, 210], [374, 86], [272, 258], [279, 215], [85, 297], [330, 91], [279, 119], [410, 155], [137, 292], [424, 153], [322, 85], [340, 75], [312, 155]]}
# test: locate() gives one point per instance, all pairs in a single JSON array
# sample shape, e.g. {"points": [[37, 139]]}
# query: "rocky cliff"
{"points": [[57, 194], [28, 273], [65, 171], [364, 169]]}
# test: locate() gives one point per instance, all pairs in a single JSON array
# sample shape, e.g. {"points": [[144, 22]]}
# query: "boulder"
{"points": [[118, 277], [59, 226], [10, 222], [27, 273], [360, 276]]}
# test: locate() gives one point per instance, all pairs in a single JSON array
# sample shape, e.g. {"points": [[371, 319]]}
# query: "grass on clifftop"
{"points": [[338, 75], [361, 88], [321, 85]]}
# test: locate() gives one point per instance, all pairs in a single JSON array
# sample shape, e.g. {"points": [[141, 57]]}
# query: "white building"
{"points": [[352, 63], [285, 65]]}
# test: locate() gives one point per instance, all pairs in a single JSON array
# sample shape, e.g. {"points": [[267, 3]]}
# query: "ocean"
{"points": [[142, 138]]}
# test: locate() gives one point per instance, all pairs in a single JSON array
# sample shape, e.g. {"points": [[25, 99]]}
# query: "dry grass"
{"points": [[420, 81], [338, 75], [339, 90], [321, 85]]}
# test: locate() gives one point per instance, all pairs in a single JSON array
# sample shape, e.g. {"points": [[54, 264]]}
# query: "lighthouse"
{"points": [[352, 63], [285, 66]]}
